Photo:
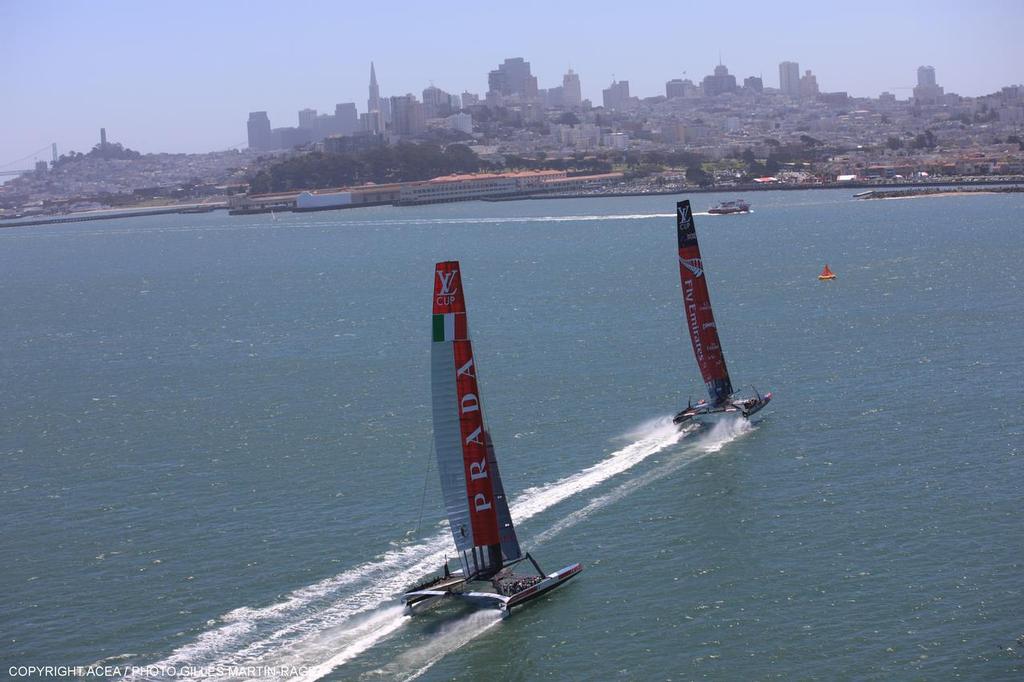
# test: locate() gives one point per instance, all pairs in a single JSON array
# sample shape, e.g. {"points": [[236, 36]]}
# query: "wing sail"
{"points": [[474, 497], [697, 305]]}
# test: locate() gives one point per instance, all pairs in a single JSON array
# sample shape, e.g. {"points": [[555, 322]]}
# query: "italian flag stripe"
{"points": [[449, 326]]}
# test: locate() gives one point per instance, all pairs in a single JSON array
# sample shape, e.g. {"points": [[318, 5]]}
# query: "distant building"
{"points": [[719, 83], [789, 79], [836, 99], [887, 98], [407, 116], [616, 95], [927, 91], [287, 138], [307, 119], [357, 142], [572, 95], [437, 102], [375, 115], [808, 85], [675, 88], [753, 84], [513, 77], [259, 131], [462, 122], [346, 118], [469, 99]]}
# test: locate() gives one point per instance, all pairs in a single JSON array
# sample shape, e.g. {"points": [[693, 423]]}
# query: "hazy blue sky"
{"points": [[182, 76]]}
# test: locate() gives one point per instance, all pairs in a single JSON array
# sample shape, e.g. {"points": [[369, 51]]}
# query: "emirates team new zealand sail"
{"points": [[478, 513], [704, 334]]}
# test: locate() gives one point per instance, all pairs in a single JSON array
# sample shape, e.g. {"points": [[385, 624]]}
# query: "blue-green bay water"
{"points": [[216, 437]]}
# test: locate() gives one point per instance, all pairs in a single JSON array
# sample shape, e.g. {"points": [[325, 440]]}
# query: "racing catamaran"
{"points": [[474, 497], [704, 334]]}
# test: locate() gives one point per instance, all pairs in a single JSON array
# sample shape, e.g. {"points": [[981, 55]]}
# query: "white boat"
{"points": [[700, 321], [478, 513]]}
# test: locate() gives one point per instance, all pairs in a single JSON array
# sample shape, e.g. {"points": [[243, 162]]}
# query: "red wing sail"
{"points": [[697, 305], [474, 498]]}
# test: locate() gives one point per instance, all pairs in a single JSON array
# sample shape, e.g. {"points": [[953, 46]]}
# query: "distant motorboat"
{"points": [[727, 207], [826, 273]]}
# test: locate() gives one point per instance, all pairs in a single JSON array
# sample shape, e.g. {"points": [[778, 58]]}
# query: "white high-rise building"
{"points": [[789, 79], [572, 95], [927, 91]]}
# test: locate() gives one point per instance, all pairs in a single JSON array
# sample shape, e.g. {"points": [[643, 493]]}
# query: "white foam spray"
{"points": [[330, 622]]}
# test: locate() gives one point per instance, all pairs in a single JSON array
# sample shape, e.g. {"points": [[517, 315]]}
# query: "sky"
{"points": [[182, 76]]}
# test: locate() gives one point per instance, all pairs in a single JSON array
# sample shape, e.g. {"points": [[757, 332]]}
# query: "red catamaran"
{"points": [[704, 334], [474, 497]]}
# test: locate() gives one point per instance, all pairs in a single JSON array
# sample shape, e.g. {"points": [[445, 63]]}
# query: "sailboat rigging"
{"points": [[700, 322], [478, 513]]}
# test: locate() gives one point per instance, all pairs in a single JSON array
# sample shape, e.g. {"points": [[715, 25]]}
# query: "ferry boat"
{"points": [[728, 207]]}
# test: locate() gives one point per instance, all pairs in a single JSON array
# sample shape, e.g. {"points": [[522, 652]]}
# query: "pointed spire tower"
{"points": [[373, 108]]}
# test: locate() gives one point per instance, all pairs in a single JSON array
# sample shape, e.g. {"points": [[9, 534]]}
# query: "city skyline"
{"points": [[151, 95]]}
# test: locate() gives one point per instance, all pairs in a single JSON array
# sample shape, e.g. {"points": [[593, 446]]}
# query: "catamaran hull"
{"points": [[709, 415], [556, 579], [422, 599]]}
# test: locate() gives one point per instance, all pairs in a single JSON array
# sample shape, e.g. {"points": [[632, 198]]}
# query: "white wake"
{"points": [[708, 442], [328, 623], [327, 617]]}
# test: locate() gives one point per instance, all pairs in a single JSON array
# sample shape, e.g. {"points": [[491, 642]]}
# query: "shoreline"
{"points": [[876, 191]]}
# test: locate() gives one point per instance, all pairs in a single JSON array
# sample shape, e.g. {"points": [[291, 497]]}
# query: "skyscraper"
{"points": [[407, 115], [616, 95], [926, 75], [259, 131], [346, 118], [307, 118], [374, 111], [789, 79], [572, 95], [927, 91], [513, 77], [808, 85], [720, 83], [436, 102]]}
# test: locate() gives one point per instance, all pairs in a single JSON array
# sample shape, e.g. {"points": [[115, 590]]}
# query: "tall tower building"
{"points": [[407, 115], [572, 94], [808, 85], [927, 91], [789, 79], [307, 118], [375, 108], [260, 139], [616, 95], [926, 75], [720, 83], [346, 120], [513, 77]]}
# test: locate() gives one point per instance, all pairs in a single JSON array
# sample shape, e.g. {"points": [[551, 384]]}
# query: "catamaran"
{"points": [[478, 513], [704, 334]]}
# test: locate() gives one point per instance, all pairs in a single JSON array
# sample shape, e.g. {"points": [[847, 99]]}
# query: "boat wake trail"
{"points": [[707, 442], [328, 623], [450, 638]]}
